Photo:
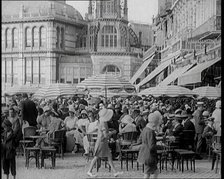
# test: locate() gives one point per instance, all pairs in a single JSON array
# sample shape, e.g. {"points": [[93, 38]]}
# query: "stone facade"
{"points": [[49, 41]]}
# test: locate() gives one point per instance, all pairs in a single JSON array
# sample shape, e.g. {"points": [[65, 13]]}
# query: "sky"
{"points": [[138, 10]]}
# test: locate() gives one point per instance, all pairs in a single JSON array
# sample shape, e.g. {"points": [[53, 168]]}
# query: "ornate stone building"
{"points": [[187, 37], [49, 41]]}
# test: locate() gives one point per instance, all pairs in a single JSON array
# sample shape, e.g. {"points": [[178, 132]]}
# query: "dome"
{"points": [[14, 8]]}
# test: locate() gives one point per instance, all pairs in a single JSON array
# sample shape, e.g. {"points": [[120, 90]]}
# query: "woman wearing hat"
{"points": [[80, 132], [70, 126], [148, 152], [102, 147]]}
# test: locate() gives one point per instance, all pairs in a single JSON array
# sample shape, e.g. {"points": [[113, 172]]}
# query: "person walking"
{"points": [[148, 151], [199, 128], [102, 149], [8, 149]]}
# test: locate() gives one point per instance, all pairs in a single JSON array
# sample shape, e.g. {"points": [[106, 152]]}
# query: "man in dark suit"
{"points": [[139, 121], [188, 131], [199, 128], [29, 111]]}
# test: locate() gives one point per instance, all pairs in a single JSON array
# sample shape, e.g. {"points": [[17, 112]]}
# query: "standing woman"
{"points": [[102, 147], [148, 152]]}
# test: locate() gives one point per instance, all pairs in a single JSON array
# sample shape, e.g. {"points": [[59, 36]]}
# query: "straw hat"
{"points": [[200, 103], [218, 104], [127, 119], [205, 114], [83, 112], [71, 109], [105, 114], [46, 108]]}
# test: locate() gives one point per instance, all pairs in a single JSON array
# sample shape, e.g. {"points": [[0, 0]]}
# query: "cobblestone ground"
{"points": [[74, 166]]}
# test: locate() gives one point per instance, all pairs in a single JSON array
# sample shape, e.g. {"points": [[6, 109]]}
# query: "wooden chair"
{"points": [[57, 141], [126, 140], [27, 141]]}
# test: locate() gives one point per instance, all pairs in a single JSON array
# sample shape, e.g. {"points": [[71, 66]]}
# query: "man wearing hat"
{"points": [[8, 149], [28, 110], [209, 130], [189, 130], [199, 127], [139, 121]]}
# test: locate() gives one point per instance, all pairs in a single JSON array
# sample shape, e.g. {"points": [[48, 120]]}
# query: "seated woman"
{"points": [[55, 124], [91, 128], [80, 132], [127, 124]]}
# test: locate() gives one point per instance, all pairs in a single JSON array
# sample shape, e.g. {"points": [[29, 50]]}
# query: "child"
{"points": [[9, 150]]}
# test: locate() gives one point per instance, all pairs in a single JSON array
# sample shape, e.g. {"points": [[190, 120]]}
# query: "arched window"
{"points": [[43, 36], [28, 37], [35, 36], [62, 38], [14, 38], [91, 37], [58, 37], [7, 38], [111, 69], [109, 36]]}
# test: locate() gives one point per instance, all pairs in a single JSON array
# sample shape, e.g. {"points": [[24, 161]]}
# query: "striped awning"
{"points": [[54, 90], [141, 69], [194, 75], [175, 74], [155, 72]]}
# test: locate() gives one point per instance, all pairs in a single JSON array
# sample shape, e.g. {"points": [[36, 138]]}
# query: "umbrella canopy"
{"points": [[103, 81], [21, 89], [54, 90], [121, 93], [145, 92], [208, 91], [171, 91]]}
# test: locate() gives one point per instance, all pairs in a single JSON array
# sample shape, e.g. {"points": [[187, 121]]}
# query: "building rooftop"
{"points": [[15, 9]]}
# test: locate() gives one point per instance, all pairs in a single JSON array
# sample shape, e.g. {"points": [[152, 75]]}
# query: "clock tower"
{"points": [[110, 38]]}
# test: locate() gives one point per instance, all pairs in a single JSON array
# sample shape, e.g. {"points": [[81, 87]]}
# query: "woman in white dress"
{"points": [[70, 126]]}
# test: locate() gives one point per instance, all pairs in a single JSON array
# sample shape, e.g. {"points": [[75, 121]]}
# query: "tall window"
{"points": [[35, 36], [28, 70], [42, 70], [7, 38], [62, 38], [28, 37], [35, 70], [91, 40], [109, 36], [108, 7], [58, 37], [15, 38], [111, 69], [43, 36], [8, 70], [3, 70]]}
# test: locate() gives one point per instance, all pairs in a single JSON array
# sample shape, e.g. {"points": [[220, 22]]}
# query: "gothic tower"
{"points": [[111, 41]]}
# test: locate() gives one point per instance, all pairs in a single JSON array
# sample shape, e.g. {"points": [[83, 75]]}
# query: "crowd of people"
{"points": [[191, 122]]}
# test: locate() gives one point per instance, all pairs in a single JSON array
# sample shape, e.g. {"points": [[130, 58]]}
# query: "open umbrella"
{"points": [[171, 91], [105, 82], [21, 89], [208, 91], [110, 94], [146, 91], [54, 90]]}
